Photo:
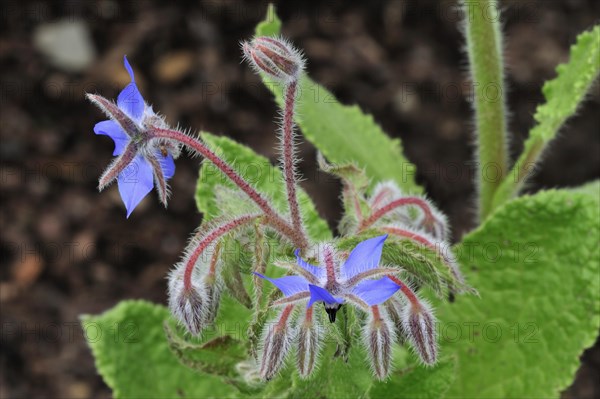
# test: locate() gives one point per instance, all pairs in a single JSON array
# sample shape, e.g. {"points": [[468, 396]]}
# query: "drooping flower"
{"points": [[143, 161], [334, 284]]}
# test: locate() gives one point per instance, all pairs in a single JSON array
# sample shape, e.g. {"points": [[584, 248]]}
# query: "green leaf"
{"points": [[271, 25], [565, 92], [535, 264], [563, 95], [133, 356], [344, 133], [259, 171], [336, 378], [416, 381], [591, 188]]}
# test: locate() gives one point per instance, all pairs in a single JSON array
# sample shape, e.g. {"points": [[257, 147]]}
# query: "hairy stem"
{"points": [[381, 212], [408, 293], [288, 154], [285, 314], [208, 239], [411, 235], [273, 218], [484, 46], [330, 268]]}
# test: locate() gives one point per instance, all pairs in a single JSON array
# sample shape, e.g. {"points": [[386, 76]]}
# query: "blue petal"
{"points": [[114, 131], [365, 256], [130, 100], [135, 182], [167, 165], [321, 294], [316, 271], [374, 292], [289, 285]]}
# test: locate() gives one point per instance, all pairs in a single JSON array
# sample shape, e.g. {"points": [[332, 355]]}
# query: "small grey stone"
{"points": [[67, 44]]}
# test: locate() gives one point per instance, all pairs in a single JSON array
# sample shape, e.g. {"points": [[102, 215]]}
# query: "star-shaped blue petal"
{"points": [[365, 256], [130, 99], [375, 292]]}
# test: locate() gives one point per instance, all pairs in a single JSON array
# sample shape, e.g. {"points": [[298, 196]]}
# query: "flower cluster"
{"points": [[391, 312]]}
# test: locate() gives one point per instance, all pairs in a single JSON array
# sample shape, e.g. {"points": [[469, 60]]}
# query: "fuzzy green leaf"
{"points": [[416, 381], [563, 95], [535, 264], [133, 356], [271, 25], [260, 172], [343, 133]]}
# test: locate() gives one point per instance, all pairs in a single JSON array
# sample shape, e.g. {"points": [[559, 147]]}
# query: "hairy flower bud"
{"points": [[213, 298], [418, 322], [379, 336], [435, 224], [309, 344], [275, 57], [395, 309], [188, 306], [276, 344]]}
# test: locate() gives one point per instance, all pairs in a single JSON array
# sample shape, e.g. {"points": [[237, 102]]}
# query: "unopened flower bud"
{"points": [[435, 224], [275, 57], [395, 309], [213, 296], [379, 337], [276, 344], [418, 322], [309, 344], [188, 305]]}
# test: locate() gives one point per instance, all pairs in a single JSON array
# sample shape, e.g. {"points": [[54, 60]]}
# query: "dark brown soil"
{"points": [[67, 250]]}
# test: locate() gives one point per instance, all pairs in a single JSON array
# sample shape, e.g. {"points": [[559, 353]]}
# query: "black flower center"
{"points": [[331, 310]]}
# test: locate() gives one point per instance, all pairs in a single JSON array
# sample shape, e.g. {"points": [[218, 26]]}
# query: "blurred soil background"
{"points": [[67, 250]]}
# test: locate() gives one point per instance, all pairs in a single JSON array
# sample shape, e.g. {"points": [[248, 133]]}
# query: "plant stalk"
{"points": [[484, 47]]}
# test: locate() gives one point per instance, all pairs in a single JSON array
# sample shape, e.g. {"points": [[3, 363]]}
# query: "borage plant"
{"points": [[338, 314]]}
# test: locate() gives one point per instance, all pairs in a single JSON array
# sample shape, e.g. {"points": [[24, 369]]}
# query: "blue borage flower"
{"points": [[333, 285], [142, 162]]}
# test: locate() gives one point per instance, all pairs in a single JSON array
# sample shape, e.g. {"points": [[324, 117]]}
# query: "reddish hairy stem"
{"points": [[288, 150], [409, 234], [309, 315], [376, 314], [209, 239], [379, 197], [284, 317], [273, 218], [329, 267], [213, 261], [379, 213], [408, 293]]}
